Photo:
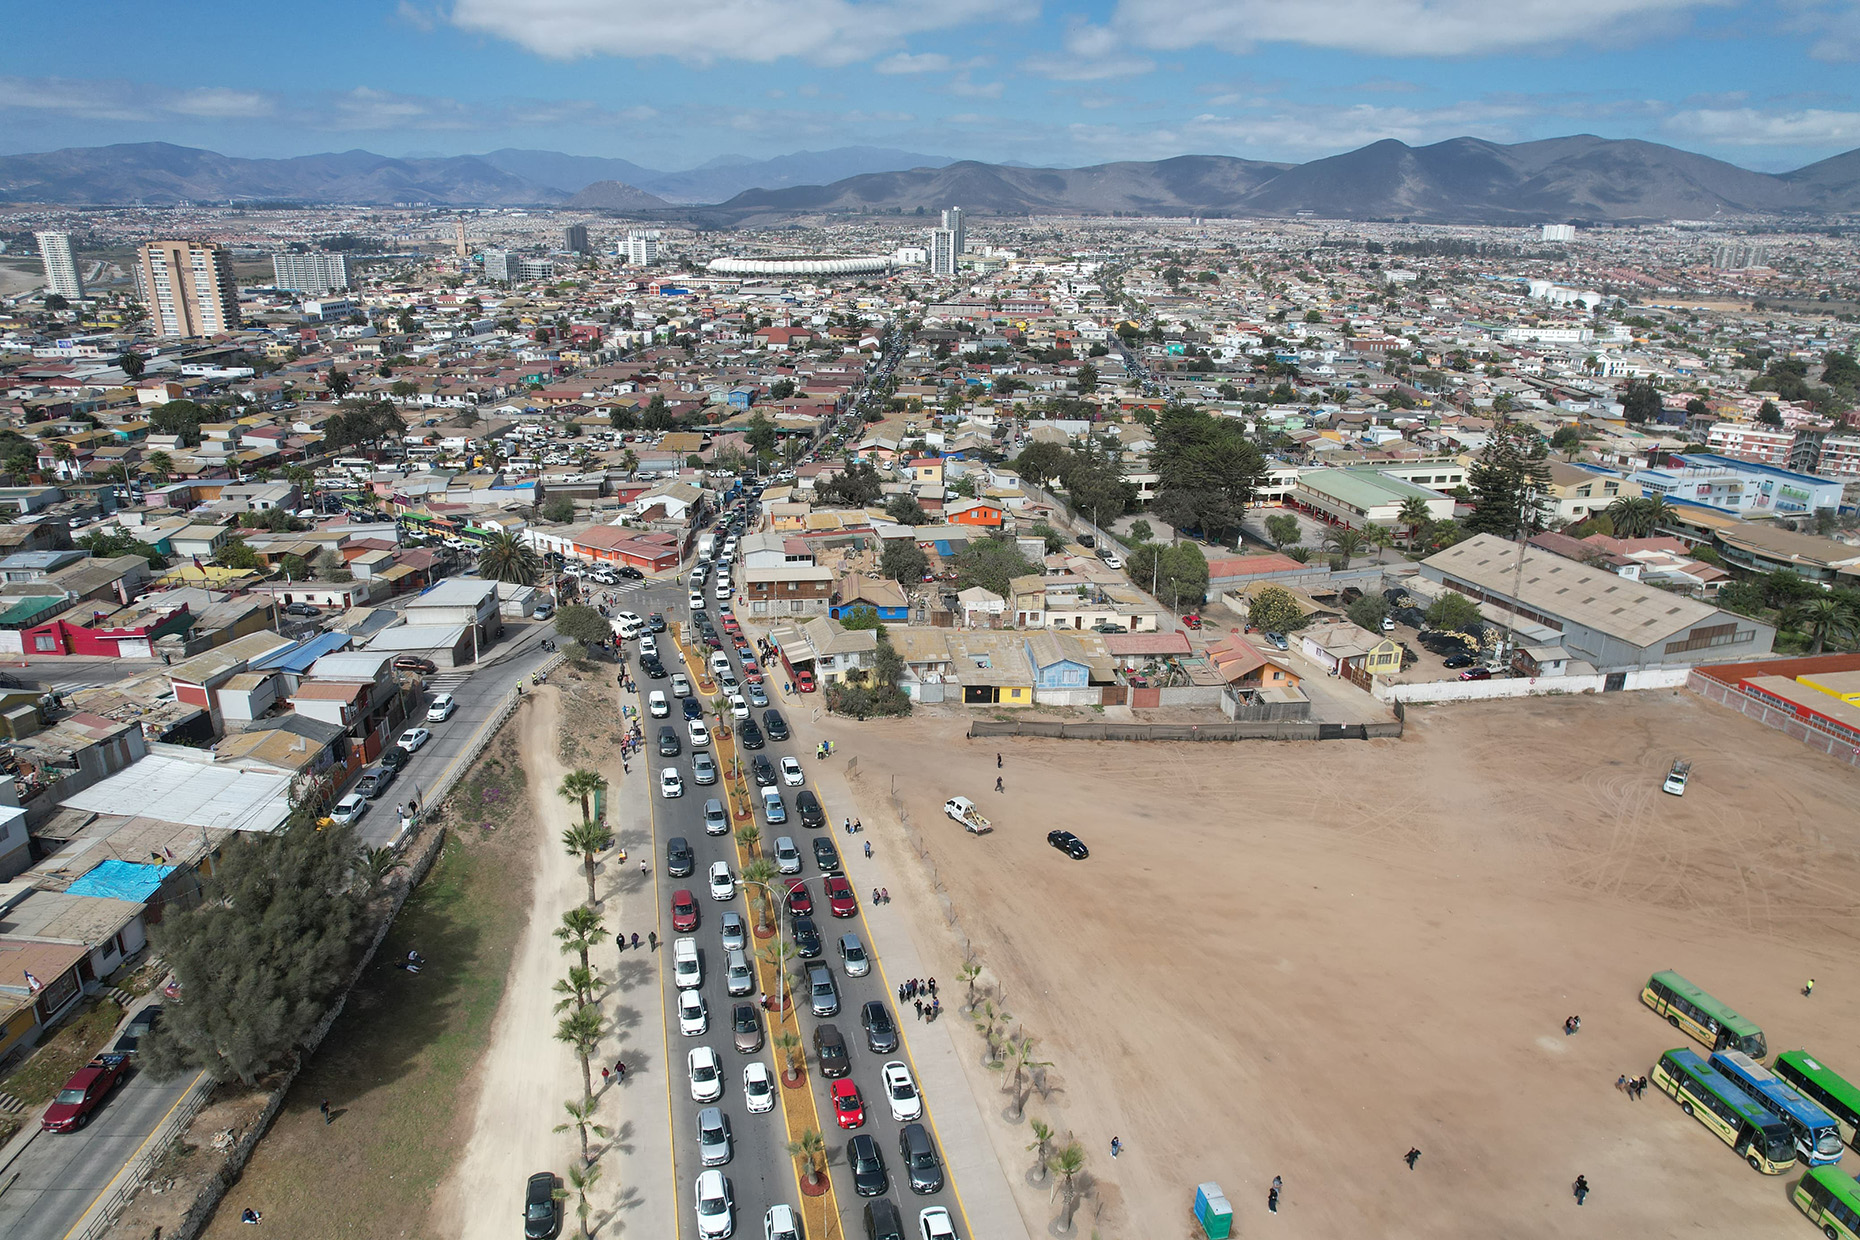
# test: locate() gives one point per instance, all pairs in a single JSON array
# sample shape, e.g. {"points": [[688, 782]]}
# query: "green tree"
{"points": [[233, 553], [905, 510], [1567, 439], [507, 558], [760, 436], [118, 541], [1638, 516], [1641, 402], [857, 485], [1283, 529], [1344, 543], [1140, 531], [1510, 482], [581, 1120], [1821, 618], [264, 953], [1368, 612], [1042, 1139], [1068, 1162], [1040, 462], [990, 563], [577, 989], [1207, 471], [582, 1030], [332, 567], [583, 624], [177, 417], [1453, 612], [1087, 379], [587, 840], [559, 508], [581, 1180], [758, 876], [903, 561], [131, 364], [788, 1045], [339, 383], [964, 487], [812, 1151], [1275, 611], [579, 931]]}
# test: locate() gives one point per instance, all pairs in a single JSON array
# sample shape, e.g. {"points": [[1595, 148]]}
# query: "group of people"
{"points": [[652, 940], [880, 895], [1632, 1086], [1571, 1024], [616, 1073], [824, 749]]}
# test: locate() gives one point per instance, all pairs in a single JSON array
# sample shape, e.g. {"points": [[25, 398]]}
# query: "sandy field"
{"points": [[1302, 959]]}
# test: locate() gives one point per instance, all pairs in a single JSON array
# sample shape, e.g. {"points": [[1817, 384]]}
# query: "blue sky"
{"points": [[668, 85]]}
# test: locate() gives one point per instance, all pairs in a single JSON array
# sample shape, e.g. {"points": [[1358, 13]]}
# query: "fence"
{"points": [[1530, 686], [1263, 730], [1787, 722]]}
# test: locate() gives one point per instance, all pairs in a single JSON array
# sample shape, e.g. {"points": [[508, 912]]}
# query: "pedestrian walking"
{"points": [[652, 937], [1640, 1086], [901, 995], [884, 895], [997, 762], [324, 1107], [620, 1070], [1272, 1196], [606, 1075], [919, 1005], [1117, 1146], [998, 787], [874, 890], [933, 986], [642, 866], [636, 940], [1621, 1082], [620, 940], [868, 850], [1581, 1188], [1412, 1156], [1808, 989]]}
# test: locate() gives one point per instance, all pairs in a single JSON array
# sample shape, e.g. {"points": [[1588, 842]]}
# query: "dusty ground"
{"points": [[1302, 959]]}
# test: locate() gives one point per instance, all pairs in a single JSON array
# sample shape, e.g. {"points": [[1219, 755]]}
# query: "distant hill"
{"points": [[1461, 180], [615, 196]]}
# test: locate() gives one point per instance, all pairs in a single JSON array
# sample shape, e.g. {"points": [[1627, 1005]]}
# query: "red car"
{"points": [[840, 899], [848, 1106], [1476, 673], [799, 902], [84, 1093], [804, 680], [730, 625], [1191, 620], [752, 674], [684, 910]]}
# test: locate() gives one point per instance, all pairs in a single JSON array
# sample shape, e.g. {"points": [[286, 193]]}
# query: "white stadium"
{"points": [[803, 265]]}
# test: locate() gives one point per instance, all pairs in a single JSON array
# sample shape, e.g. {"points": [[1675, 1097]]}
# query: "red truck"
{"points": [[85, 1092]]}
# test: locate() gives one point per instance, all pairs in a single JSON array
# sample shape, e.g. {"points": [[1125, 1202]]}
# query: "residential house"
{"points": [[981, 608], [788, 590], [858, 594], [1337, 645]]}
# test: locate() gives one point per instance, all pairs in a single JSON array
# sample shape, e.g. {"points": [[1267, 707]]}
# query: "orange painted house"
{"points": [[983, 512]]}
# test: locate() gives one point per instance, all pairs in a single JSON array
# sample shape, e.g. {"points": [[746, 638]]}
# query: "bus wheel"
{"points": [[1686, 1107], [1752, 1160], [1673, 1021], [1827, 1229]]}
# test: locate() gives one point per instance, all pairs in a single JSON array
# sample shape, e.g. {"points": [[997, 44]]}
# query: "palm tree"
{"points": [[1021, 1060], [789, 1044], [1299, 553], [990, 1019], [580, 929], [757, 875], [1414, 515], [1344, 542], [161, 465], [581, 1118], [814, 1150], [778, 954], [1381, 538], [508, 559], [576, 989], [1042, 1136], [582, 1179], [1820, 618], [1068, 1163], [374, 865], [581, 1029], [1638, 516], [749, 838], [968, 973], [579, 785], [588, 840]]}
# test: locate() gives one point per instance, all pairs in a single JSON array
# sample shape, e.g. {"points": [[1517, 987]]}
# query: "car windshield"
{"points": [[541, 1209], [901, 1088], [69, 1097]]}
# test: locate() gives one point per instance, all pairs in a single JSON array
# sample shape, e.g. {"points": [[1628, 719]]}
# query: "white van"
{"points": [[656, 703]]}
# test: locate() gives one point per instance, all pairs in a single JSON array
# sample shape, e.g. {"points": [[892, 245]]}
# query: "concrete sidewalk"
{"points": [[988, 1205]]}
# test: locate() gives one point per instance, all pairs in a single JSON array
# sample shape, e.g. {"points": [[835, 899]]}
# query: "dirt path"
{"points": [[526, 1074]]}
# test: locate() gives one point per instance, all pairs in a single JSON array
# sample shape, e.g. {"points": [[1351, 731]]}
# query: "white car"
{"points": [[934, 1224], [656, 703], [706, 1074], [693, 1017], [671, 783], [413, 738], [723, 590], [791, 772], [780, 1224], [719, 663], [648, 647], [739, 708], [681, 686], [696, 600], [441, 709], [700, 735], [758, 1088], [630, 619], [722, 883], [1110, 561], [901, 1092], [715, 1210], [348, 811]]}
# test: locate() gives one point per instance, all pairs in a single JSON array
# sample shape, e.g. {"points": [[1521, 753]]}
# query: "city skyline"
{"points": [[1017, 81]]}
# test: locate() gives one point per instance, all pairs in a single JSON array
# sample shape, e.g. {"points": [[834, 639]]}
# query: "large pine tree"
{"points": [[1510, 483]]}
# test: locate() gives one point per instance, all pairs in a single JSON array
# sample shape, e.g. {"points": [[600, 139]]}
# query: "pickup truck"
{"points": [[962, 810], [1675, 781], [85, 1092]]}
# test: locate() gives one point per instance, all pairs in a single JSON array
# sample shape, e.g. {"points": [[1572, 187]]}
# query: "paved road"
{"points": [[761, 1173], [53, 1182]]}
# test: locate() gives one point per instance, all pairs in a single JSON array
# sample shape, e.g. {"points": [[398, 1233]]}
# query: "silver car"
{"points": [[787, 856], [713, 1137], [852, 956], [823, 995], [735, 936], [716, 822]]}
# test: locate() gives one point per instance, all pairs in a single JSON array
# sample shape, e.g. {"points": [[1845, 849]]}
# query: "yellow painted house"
{"points": [[1338, 643]]}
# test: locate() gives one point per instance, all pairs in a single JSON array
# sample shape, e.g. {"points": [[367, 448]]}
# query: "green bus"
{"points": [[1831, 1200], [1692, 1011], [1739, 1121], [1824, 1087]]}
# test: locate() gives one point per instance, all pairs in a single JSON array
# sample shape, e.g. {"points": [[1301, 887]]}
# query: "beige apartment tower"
{"points": [[188, 288]]}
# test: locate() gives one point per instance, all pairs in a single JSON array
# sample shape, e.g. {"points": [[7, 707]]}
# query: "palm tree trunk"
{"points": [[583, 1125], [586, 813], [587, 864], [587, 1086]]}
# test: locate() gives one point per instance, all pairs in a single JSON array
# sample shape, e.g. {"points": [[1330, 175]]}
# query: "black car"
{"points": [[542, 1213], [654, 669], [881, 1032], [394, 756], [826, 856], [806, 937], [693, 708], [868, 1166], [748, 735], [655, 623], [808, 806], [1456, 661], [630, 573], [669, 745], [137, 1029], [920, 1159], [1069, 844], [701, 619], [763, 771], [301, 609], [776, 725], [679, 859]]}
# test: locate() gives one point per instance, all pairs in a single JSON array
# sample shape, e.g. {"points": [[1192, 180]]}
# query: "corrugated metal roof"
{"points": [[198, 794], [298, 658]]}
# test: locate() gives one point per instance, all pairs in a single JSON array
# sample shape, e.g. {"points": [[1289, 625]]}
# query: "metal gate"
{"points": [[1146, 699], [1614, 681], [1111, 695]]}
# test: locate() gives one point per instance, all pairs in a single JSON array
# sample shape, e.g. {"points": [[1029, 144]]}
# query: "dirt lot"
{"points": [[1302, 959]]}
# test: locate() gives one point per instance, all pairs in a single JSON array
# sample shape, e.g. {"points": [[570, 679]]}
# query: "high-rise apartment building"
{"points": [[188, 288], [642, 248], [947, 242], [953, 218], [312, 273], [575, 239], [458, 246], [1559, 232], [511, 268], [61, 273]]}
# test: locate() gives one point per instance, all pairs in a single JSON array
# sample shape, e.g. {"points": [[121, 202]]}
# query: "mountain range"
{"points": [[1461, 180]]}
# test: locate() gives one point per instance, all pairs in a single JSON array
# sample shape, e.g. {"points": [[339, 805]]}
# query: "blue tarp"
{"points": [[122, 880], [298, 658]]}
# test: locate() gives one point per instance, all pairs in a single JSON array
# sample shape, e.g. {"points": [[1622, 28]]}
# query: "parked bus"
{"points": [[1831, 1199], [1692, 1011], [1817, 1136], [1762, 1139], [1825, 1088]]}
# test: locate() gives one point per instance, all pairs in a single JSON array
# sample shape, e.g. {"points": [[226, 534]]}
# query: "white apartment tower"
{"points": [[312, 273], [1559, 232], [947, 242], [642, 248], [61, 273]]}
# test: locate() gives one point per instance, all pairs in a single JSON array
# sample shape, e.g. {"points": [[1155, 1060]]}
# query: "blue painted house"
{"points": [[1055, 666], [870, 595]]}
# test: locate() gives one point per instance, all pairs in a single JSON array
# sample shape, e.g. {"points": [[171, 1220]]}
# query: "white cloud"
{"points": [[905, 62], [1422, 28], [967, 88], [831, 32], [1090, 54], [1752, 127]]}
